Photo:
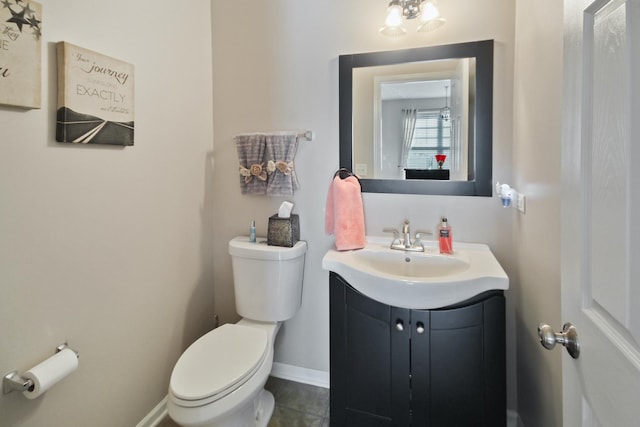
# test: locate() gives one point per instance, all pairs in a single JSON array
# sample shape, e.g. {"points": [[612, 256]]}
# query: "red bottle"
{"points": [[445, 237]]}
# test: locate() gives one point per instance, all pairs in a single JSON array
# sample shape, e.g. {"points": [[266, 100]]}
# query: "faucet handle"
{"points": [[420, 234], [396, 233]]}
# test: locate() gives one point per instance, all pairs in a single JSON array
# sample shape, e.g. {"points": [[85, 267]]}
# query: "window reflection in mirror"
{"points": [[408, 113]]}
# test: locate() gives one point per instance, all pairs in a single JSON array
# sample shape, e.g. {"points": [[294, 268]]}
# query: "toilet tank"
{"points": [[267, 279]]}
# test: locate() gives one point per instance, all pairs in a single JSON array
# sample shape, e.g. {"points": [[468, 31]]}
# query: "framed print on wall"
{"points": [[20, 53], [95, 97]]}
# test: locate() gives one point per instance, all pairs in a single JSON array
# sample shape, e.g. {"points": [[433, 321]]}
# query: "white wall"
{"points": [[110, 248], [536, 160], [281, 72]]}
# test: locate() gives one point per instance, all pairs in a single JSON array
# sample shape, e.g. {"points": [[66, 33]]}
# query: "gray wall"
{"points": [[282, 73], [110, 248], [123, 252], [536, 169]]}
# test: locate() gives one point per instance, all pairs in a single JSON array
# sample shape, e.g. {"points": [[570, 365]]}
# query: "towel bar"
{"points": [[306, 135]]}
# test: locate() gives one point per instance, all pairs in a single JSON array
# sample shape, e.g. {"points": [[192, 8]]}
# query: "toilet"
{"points": [[219, 380]]}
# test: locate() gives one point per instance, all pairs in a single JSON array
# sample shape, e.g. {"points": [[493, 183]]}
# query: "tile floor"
{"points": [[297, 405]]}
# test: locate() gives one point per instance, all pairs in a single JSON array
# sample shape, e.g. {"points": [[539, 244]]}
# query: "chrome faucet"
{"points": [[405, 244], [407, 235]]}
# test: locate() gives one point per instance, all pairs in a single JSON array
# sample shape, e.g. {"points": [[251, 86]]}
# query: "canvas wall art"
{"points": [[20, 53], [95, 97]]}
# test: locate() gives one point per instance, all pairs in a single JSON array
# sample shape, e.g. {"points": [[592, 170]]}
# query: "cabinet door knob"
{"points": [[420, 327], [399, 325]]}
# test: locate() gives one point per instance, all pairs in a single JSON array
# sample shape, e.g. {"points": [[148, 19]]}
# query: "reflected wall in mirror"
{"points": [[399, 109], [413, 112]]}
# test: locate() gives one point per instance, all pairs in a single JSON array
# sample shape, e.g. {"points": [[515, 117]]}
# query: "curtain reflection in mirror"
{"points": [[409, 121]]}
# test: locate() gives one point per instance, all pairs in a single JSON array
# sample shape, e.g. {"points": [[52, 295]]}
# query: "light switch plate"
{"points": [[520, 202]]}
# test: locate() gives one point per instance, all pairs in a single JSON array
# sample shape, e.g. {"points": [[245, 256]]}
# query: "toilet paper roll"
{"points": [[49, 372]]}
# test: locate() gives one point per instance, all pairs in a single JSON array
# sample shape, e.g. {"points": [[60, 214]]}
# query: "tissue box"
{"points": [[283, 231]]}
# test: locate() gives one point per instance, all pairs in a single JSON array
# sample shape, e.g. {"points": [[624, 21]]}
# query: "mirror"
{"points": [[398, 109]]}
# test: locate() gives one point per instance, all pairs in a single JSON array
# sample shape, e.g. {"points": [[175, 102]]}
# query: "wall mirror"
{"points": [[399, 109]]}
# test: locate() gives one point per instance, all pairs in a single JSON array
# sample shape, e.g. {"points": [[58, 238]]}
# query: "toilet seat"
{"points": [[217, 364]]}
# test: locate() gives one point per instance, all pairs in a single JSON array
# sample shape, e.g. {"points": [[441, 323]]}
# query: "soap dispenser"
{"points": [[252, 232], [445, 237]]}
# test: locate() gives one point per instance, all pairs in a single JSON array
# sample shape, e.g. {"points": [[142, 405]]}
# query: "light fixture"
{"points": [[426, 10], [445, 113]]}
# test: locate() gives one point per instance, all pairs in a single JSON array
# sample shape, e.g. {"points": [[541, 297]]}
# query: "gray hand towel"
{"points": [[281, 149], [253, 171]]}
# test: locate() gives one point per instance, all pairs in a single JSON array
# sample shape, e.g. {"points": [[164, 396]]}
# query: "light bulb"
{"points": [[428, 11], [394, 16], [393, 23]]}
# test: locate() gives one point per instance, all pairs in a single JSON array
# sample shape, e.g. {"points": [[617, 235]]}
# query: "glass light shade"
{"points": [[393, 23], [445, 114], [434, 24], [394, 16], [429, 11], [392, 31]]}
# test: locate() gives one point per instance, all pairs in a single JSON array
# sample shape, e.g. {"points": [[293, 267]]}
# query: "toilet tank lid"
{"points": [[242, 247]]}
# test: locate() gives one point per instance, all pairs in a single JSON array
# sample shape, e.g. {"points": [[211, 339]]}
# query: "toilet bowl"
{"points": [[219, 380]]}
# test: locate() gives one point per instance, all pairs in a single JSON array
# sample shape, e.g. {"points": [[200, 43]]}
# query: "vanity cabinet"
{"points": [[394, 366]]}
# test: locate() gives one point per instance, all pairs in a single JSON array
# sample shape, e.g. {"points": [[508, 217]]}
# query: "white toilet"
{"points": [[219, 380]]}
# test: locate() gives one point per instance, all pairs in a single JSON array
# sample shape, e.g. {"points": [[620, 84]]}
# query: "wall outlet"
{"points": [[520, 202]]}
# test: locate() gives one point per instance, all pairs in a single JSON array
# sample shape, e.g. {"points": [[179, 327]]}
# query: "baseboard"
{"points": [[156, 415], [279, 370], [513, 419], [300, 375], [291, 373]]}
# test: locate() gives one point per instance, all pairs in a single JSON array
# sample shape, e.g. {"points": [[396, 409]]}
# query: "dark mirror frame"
{"points": [[481, 184]]}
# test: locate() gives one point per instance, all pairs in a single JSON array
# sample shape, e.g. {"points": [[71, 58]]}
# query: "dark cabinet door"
{"points": [[458, 365], [397, 367], [494, 356], [448, 387], [369, 360]]}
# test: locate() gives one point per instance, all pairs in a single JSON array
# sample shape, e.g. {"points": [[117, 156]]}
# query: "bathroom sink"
{"points": [[403, 264], [418, 280]]}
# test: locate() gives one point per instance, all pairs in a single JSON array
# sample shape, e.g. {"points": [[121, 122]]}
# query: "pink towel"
{"points": [[345, 214]]}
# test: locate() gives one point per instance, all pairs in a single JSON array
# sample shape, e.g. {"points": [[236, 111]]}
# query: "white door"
{"points": [[601, 212]]}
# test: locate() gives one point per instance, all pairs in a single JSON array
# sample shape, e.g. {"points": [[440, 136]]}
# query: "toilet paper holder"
{"points": [[14, 382]]}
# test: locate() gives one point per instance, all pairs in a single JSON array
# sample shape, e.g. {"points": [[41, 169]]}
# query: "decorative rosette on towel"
{"points": [[253, 173], [281, 148]]}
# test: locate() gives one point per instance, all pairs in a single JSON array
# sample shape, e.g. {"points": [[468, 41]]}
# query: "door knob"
{"points": [[568, 338], [420, 328], [399, 325]]}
